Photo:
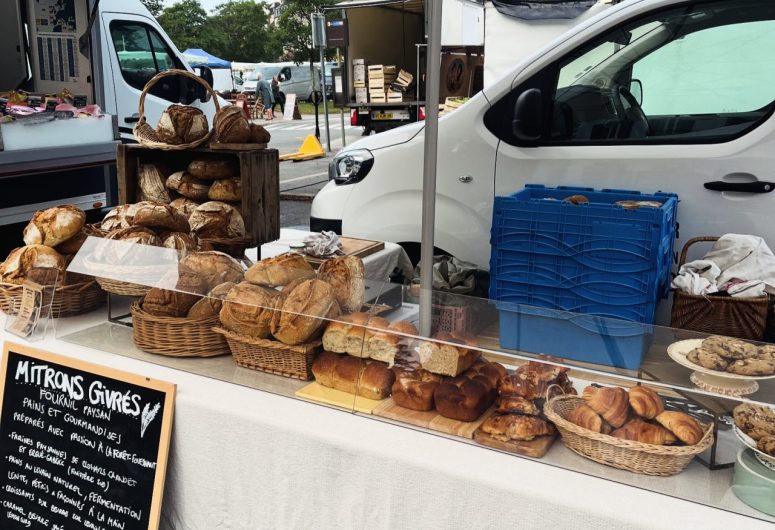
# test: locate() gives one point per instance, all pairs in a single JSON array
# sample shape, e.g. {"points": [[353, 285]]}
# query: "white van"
{"points": [[294, 78], [650, 95]]}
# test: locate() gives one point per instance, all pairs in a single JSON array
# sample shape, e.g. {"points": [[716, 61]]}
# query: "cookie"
{"points": [[730, 348], [766, 444], [753, 367], [767, 353], [755, 420], [707, 359], [693, 356]]}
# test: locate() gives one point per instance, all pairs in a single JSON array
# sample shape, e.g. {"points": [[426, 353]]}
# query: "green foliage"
{"points": [[294, 28], [186, 22], [239, 31], [154, 6]]}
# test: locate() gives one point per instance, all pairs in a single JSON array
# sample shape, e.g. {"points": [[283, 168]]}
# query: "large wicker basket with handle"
{"points": [[638, 457], [744, 318], [146, 135]]}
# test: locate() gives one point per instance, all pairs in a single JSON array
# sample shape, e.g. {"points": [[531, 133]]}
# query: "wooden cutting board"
{"points": [[535, 448], [352, 246], [430, 419], [321, 394]]}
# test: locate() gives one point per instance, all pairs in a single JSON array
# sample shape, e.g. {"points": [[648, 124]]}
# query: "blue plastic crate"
{"points": [[584, 338]]}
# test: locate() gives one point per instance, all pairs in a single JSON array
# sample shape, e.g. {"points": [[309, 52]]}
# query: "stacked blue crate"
{"points": [[596, 259]]}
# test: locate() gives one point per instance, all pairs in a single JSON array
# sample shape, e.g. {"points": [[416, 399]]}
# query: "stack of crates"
{"points": [[581, 281], [359, 81], [377, 83]]}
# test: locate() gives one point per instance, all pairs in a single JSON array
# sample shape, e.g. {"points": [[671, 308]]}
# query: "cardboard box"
{"points": [[361, 95], [359, 73]]}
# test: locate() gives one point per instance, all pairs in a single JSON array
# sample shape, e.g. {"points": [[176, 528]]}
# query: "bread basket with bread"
{"points": [[632, 443]]}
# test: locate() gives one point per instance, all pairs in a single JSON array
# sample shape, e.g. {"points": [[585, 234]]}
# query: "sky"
{"points": [[207, 5]]}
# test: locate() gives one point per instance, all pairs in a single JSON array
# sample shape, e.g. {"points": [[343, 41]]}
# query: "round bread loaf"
{"points": [[165, 303], [182, 242], [303, 310], [188, 186], [181, 124], [55, 225], [184, 205], [228, 190], [279, 270], [161, 217], [216, 219], [72, 245], [231, 126], [210, 305], [213, 267], [248, 310], [122, 216], [258, 134], [21, 261], [346, 276], [135, 234], [213, 169]]}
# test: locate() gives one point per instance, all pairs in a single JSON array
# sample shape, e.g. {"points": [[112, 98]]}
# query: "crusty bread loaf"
{"points": [[74, 244], [258, 134], [231, 126], [279, 270], [248, 310], [467, 396], [166, 303], [216, 219], [213, 267], [303, 310], [181, 124], [135, 234], [184, 205], [227, 190], [122, 216], [188, 186], [439, 357], [210, 305], [368, 379], [183, 243], [161, 217], [413, 389], [54, 226], [346, 276], [213, 169], [21, 261]]}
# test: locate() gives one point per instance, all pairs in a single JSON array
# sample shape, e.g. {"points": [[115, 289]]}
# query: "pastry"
{"points": [[413, 389], [248, 310], [184, 205], [181, 124], [213, 169], [54, 226], [513, 427], [279, 270], [228, 190], [755, 420], [162, 217], [372, 380], [766, 444], [210, 305], [707, 359], [467, 396], [645, 402], [217, 220], [729, 348], [610, 402], [686, 428], [303, 311], [638, 430], [449, 354], [231, 126], [752, 366], [533, 380], [346, 276], [212, 267], [188, 186], [21, 262], [516, 405], [766, 352], [585, 417]]}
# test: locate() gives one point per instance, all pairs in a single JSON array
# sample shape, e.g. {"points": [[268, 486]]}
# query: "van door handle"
{"points": [[465, 179], [134, 118], [744, 187]]}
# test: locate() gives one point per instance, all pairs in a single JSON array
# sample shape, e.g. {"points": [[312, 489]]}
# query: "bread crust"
{"points": [[213, 169], [21, 261], [216, 219], [279, 270], [346, 276], [161, 217], [248, 310], [188, 185], [227, 190], [55, 225], [302, 312]]}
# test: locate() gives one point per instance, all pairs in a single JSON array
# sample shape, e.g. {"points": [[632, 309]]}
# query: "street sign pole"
{"points": [[319, 41]]}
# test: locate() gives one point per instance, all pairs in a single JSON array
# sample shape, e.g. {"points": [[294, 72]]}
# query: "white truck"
{"points": [[104, 50], [650, 95]]}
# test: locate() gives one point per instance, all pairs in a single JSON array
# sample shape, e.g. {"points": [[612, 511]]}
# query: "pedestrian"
{"points": [[278, 95], [265, 91]]}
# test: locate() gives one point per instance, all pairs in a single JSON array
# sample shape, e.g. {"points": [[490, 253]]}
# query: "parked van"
{"points": [[294, 78], [651, 95]]}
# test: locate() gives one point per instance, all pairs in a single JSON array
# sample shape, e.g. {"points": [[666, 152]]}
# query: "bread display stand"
{"points": [[431, 420]]}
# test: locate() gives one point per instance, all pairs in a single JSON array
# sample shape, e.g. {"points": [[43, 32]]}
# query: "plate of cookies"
{"points": [[755, 427], [725, 365]]}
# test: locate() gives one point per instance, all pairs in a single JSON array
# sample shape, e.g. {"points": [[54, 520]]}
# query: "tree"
{"points": [[295, 30], [238, 31], [154, 6], [186, 24]]}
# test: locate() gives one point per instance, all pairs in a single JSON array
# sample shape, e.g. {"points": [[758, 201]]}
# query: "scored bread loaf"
{"points": [[135, 234], [213, 169], [346, 276], [448, 359], [183, 243], [258, 134], [55, 225], [167, 303], [184, 205], [303, 311], [469, 395], [20, 262], [369, 379], [216, 219], [188, 186], [181, 124], [150, 184], [227, 190], [280, 270], [210, 305], [122, 216], [413, 389], [74, 244], [231, 126], [248, 310], [161, 217], [212, 267]]}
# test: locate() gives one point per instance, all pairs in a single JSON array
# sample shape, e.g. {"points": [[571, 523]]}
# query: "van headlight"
{"points": [[350, 167]]}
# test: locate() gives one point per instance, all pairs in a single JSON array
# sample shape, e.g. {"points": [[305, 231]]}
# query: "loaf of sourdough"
{"points": [[248, 310], [161, 217], [413, 389], [212, 267], [303, 312], [184, 205], [181, 124], [258, 134], [210, 305], [188, 186], [122, 216], [448, 359], [228, 190], [279, 270], [369, 379], [182, 242], [55, 225], [213, 169], [216, 219], [346, 276], [74, 244], [231, 126], [21, 261], [135, 234], [168, 303], [467, 396]]}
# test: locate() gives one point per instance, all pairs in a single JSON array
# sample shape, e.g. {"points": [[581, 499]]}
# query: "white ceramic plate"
{"points": [[761, 456], [679, 350]]}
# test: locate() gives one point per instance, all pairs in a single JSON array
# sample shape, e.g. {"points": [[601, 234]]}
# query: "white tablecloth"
{"points": [[246, 459]]}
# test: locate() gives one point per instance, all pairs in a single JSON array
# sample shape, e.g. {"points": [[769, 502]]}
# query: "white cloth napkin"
{"points": [[697, 277], [323, 245]]}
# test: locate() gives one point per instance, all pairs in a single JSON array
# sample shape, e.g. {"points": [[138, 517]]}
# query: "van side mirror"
{"points": [[527, 122], [636, 89]]}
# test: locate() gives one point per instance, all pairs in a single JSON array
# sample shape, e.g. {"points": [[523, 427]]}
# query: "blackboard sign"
{"points": [[81, 445]]}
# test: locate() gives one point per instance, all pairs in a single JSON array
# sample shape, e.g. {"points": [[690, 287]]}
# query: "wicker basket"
{"points": [[638, 457], [125, 287], [272, 356], [69, 300], [146, 135], [176, 337], [744, 318]]}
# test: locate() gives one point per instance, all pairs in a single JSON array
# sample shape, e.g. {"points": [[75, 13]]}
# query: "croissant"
{"points": [[610, 402], [638, 430], [686, 428], [585, 417], [645, 402]]}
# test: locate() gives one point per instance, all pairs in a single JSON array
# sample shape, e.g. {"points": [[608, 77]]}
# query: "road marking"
{"points": [[304, 177]]}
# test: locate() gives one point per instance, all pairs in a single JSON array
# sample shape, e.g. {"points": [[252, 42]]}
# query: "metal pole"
{"points": [[323, 90], [344, 91], [432, 74]]}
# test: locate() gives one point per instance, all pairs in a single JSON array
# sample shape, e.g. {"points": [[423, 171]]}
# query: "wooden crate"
{"points": [[259, 171]]}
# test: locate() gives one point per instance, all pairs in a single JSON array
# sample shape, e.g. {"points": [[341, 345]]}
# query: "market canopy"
{"points": [[198, 57]]}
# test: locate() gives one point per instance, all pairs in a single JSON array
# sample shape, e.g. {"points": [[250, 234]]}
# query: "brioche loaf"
{"points": [[213, 169], [161, 217], [346, 275], [21, 261], [279, 270], [413, 389], [385, 345], [188, 186], [467, 396], [303, 310], [248, 310], [368, 379], [215, 219], [54, 226], [346, 333], [448, 359], [228, 190]]}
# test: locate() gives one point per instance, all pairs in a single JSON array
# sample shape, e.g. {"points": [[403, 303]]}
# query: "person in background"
{"points": [[277, 94], [265, 91]]}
